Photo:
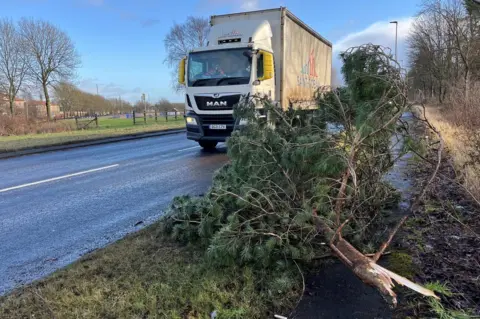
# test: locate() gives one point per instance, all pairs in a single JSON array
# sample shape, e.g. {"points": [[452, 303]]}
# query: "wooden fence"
{"points": [[141, 117], [83, 123]]}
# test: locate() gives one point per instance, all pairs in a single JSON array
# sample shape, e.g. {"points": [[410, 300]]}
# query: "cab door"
{"points": [[264, 84]]}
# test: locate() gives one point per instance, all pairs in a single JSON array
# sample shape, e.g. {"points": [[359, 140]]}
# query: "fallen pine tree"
{"points": [[299, 189]]}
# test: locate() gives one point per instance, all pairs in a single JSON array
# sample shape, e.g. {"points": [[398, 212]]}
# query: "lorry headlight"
{"points": [[191, 120]]}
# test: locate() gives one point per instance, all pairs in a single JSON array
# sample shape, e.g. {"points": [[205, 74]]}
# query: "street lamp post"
{"points": [[396, 37], [144, 103]]}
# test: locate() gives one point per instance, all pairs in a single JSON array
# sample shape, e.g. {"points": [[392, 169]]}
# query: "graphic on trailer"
{"points": [[308, 77]]}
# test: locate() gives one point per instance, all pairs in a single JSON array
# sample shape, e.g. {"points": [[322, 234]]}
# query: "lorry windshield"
{"points": [[220, 67]]}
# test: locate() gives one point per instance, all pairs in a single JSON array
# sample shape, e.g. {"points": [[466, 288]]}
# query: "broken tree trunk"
{"points": [[366, 268]]}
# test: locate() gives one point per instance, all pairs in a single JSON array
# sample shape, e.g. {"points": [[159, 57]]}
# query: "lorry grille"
{"points": [[220, 103], [226, 119]]}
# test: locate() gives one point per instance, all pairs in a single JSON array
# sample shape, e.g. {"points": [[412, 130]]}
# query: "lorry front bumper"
{"points": [[202, 131]]}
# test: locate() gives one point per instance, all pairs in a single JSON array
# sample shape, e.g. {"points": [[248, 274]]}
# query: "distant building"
{"points": [[40, 108], [19, 104], [35, 107]]}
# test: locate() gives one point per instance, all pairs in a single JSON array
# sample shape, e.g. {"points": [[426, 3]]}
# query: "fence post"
{"points": [[133, 113], [96, 120], [76, 121], [166, 116], [144, 117], [155, 115], [175, 115]]}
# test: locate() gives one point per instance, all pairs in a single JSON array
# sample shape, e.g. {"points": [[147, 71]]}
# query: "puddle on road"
{"points": [[398, 176]]}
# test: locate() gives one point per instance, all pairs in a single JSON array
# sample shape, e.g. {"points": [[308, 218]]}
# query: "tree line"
{"points": [[34, 53], [75, 101], [444, 48], [162, 105]]}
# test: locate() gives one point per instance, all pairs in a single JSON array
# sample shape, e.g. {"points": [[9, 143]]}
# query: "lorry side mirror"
{"points": [[267, 65], [248, 54], [181, 71]]}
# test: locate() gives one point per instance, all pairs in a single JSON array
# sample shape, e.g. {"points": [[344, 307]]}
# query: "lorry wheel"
{"points": [[208, 145]]}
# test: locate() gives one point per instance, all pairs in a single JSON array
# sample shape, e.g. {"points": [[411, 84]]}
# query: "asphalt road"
{"points": [[55, 207]]}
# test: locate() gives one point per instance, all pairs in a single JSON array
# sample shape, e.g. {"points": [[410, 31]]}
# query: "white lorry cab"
{"points": [[261, 53]]}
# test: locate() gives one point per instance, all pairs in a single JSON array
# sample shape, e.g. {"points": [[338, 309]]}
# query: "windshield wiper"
{"points": [[200, 81], [232, 78]]}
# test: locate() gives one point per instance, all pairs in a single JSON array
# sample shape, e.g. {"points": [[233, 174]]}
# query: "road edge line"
{"points": [[78, 144]]}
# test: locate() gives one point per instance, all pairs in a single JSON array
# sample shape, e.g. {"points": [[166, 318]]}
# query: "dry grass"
{"points": [[18, 125], [460, 128], [143, 276]]}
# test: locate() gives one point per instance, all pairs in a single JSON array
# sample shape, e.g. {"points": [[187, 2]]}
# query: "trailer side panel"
{"points": [[307, 62]]}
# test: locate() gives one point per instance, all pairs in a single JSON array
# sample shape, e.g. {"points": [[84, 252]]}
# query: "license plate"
{"points": [[217, 126]]}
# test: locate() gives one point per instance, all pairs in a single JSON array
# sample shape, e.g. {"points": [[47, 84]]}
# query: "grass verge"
{"points": [[463, 144], [107, 128], [144, 276], [108, 123]]}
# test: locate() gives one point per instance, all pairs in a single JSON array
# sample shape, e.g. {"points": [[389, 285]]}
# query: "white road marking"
{"points": [[57, 178], [188, 148]]}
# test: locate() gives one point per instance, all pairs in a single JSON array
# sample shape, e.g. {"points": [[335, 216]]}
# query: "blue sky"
{"points": [[121, 41]]}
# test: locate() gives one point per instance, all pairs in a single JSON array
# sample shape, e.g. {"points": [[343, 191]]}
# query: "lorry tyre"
{"points": [[208, 145]]}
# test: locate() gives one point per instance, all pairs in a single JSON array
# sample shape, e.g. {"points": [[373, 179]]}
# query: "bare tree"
{"points": [[444, 47], [141, 106], [51, 54], [119, 105], [12, 61], [27, 95], [462, 33], [68, 96], [182, 38], [164, 105]]}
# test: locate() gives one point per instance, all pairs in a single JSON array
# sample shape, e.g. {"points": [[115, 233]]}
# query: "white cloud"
{"points": [[382, 33], [109, 90], [249, 5]]}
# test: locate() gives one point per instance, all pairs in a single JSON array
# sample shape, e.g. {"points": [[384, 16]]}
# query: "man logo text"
{"points": [[217, 103]]}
